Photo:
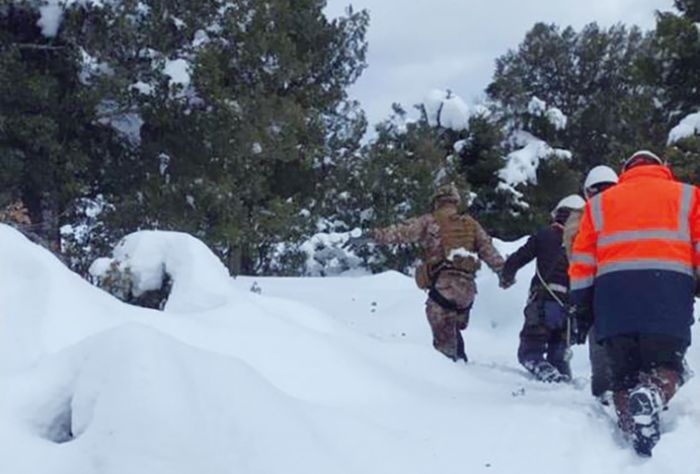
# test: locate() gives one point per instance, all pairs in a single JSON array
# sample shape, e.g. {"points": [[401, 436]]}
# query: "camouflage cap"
{"points": [[446, 193]]}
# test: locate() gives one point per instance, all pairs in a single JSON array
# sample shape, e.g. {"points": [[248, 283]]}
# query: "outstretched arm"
{"points": [[409, 231], [520, 258], [486, 251]]}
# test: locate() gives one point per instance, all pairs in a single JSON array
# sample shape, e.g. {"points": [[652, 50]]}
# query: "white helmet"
{"points": [[599, 175], [573, 202], [645, 155]]}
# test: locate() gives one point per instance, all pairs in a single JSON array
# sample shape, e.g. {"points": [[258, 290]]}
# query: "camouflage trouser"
{"points": [[445, 323]]}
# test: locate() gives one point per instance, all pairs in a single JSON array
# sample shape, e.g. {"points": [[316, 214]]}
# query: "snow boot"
{"points": [[546, 372], [645, 403], [624, 420]]}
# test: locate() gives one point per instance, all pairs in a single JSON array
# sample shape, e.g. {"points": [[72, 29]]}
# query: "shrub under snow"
{"points": [[146, 261]]}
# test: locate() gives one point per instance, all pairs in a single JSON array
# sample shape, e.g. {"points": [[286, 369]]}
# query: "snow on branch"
{"points": [[447, 110], [688, 127], [522, 164], [556, 117]]}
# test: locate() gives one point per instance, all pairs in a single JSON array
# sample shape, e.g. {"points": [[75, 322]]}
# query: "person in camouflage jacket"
{"points": [[449, 268]]}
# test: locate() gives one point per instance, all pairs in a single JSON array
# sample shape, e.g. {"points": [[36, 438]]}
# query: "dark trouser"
{"points": [[600, 367], [651, 360], [543, 337]]}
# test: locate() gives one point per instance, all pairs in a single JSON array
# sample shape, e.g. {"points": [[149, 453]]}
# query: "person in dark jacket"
{"points": [[544, 338]]}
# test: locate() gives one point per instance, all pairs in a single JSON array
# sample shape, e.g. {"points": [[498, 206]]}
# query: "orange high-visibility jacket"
{"points": [[636, 254]]}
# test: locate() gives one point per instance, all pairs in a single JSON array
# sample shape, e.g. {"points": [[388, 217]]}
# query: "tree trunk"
{"points": [[234, 259]]}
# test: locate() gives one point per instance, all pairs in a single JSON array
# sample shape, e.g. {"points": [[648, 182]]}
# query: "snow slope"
{"points": [[312, 375]]}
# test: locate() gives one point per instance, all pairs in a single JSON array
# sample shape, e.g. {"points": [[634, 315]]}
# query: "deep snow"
{"points": [[311, 375]]}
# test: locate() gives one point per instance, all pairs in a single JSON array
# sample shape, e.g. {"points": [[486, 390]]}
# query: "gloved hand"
{"points": [[581, 321], [504, 282]]}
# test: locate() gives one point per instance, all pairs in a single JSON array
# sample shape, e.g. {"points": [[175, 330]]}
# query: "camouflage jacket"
{"points": [[425, 231]]}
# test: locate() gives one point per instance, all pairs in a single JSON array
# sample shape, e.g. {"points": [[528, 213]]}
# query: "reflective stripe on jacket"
{"points": [[638, 245]]}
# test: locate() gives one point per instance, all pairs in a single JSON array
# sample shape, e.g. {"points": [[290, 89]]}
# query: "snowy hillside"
{"points": [[309, 375]]}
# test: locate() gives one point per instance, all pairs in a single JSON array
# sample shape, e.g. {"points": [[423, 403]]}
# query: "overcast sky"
{"points": [[419, 45]]}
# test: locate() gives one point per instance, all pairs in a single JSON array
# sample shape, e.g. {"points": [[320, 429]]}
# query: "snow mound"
{"points": [[43, 306], [134, 400], [199, 279], [299, 378]]}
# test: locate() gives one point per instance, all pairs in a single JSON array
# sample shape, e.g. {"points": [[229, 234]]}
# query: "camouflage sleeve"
{"points": [[487, 252], [409, 231]]}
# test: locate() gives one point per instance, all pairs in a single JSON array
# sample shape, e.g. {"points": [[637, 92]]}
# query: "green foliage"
{"points": [[675, 73], [600, 79], [675, 68], [230, 120], [593, 76], [689, 8], [49, 136], [684, 158], [392, 179], [231, 148]]}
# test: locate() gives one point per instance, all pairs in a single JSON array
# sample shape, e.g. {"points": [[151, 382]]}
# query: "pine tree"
{"points": [[49, 133], [673, 71], [595, 78], [212, 117]]}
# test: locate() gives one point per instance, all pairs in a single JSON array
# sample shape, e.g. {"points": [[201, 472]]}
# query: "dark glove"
{"points": [[581, 321], [504, 282]]}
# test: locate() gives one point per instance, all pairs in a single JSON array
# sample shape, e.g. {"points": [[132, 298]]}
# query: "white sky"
{"points": [[418, 45]]}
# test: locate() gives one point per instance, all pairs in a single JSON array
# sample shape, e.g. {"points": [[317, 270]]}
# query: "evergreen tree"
{"points": [[224, 114], [595, 78], [50, 138], [674, 66], [390, 180], [598, 78], [673, 71]]}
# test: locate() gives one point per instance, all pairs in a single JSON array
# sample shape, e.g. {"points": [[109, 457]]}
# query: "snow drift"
{"points": [[199, 280], [312, 375]]}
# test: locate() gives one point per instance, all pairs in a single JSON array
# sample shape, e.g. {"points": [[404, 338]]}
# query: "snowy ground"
{"points": [[332, 375]]}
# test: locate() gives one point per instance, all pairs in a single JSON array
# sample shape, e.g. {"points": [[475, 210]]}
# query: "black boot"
{"points": [[645, 403]]}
